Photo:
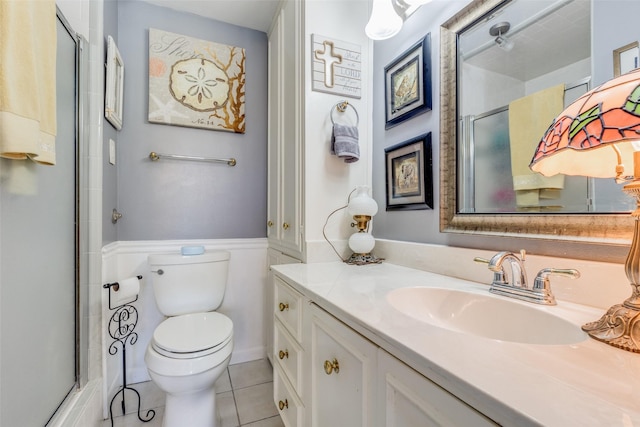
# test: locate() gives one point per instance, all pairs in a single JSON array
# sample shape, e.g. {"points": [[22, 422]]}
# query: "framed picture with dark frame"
{"points": [[408, 83], [409, 174]]}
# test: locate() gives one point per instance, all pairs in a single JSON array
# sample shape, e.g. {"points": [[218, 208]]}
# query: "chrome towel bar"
{"points": [[157, 156]]}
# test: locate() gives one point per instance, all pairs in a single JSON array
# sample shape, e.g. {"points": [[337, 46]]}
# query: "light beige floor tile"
{"points": [[250, 373], [223, 383], [150, 397], [255, 403], [267, 422], [226, 407], [131, 420]]}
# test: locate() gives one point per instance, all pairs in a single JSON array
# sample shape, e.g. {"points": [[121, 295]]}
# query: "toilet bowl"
{"points": [[192, 347], [186, 356]]}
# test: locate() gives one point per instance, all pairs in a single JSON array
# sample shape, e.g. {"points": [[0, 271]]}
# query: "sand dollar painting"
{"points": [[195, 83]]}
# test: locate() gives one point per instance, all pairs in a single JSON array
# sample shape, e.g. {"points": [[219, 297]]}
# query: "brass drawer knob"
{"points": [[269, 223], [282, 306], [285, 225], [283, 405], [332, 366], [283, 354]]}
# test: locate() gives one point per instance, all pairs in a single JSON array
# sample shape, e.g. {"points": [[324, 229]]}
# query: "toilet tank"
{"points": [[189, 283]]}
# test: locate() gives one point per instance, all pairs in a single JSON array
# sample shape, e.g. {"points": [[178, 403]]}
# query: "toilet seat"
{"points": [[192, 335]]}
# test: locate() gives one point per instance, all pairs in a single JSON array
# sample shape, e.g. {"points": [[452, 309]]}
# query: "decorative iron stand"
{"points": [[121, 328]]}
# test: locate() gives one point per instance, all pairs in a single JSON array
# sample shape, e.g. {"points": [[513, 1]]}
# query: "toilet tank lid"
{"points": [[178, 258]]}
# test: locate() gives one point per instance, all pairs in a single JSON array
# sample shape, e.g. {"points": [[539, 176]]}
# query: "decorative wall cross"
{"points": [[336, 66], [330, 58]]}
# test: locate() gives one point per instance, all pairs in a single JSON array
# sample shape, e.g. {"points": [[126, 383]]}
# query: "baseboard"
{"points": [[248, 355]]}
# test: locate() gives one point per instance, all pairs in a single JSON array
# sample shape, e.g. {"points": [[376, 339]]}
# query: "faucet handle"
{"points": [[542, 279], [498, 275], [481, 260]]}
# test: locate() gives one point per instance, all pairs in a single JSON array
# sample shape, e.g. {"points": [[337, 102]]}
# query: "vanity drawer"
{"points": [[288, 354], [287, 303], [289, 406]]}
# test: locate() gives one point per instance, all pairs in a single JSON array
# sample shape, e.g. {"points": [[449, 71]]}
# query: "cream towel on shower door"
{"points": [[529, 119], [28, 80]]}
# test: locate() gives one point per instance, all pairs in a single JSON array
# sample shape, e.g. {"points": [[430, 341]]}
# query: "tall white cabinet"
{"points": [[285, 152], [305, 181], [286, 93]]}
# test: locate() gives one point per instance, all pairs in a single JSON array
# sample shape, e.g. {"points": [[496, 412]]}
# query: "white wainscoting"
{"points": [[244, 301]]}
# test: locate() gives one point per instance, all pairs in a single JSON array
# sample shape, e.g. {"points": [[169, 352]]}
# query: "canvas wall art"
{"points": [[196, 83]]}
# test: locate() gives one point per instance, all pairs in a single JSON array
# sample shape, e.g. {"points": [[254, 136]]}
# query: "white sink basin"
{"points": [[485, 315]]}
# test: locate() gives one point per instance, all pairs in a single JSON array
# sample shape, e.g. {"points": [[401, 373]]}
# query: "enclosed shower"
{"points": [[41, 324]]}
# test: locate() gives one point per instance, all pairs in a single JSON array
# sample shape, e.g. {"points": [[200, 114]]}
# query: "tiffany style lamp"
{"points": [[599, 136]]}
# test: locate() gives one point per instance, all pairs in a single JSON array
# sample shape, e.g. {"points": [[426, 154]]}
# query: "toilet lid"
{"points": [[194, 332]]}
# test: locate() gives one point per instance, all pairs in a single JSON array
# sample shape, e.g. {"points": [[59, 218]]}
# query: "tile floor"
{"points": [[244, 399]]}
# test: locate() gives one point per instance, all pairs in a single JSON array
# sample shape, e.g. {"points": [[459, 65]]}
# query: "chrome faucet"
{"points": [[514, 283], [517, 277]]}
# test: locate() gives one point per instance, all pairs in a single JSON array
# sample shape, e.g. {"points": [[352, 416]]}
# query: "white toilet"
{"points": [[191, 348]]}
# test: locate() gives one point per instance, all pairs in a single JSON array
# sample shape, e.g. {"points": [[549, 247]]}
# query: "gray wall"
{"points": [[617, 26], [171, 199], [423, 225], [419, 225], [109, 176]]}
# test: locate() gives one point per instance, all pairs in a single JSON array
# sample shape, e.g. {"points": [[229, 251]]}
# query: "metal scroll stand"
{"points": [[121, 325]]}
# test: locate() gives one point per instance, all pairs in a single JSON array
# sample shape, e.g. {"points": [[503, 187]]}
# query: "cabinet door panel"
{"points": [[273, 177], [408, 399], [290, 132], [342, 374], [288, 354], [288, 308], [290, 408]]}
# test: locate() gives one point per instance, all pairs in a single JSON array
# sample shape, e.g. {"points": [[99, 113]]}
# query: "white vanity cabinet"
{"points": [[327, 374], [342, 373]]}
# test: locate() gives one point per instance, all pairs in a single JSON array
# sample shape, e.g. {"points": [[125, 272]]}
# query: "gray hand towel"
{"points": [[344, 142]]}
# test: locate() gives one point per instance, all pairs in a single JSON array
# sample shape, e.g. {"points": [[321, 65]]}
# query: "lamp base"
{"points": [[363, 259], [618, 327]]}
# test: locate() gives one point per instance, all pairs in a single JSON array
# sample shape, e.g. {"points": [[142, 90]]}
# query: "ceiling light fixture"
{"points": [[498, 31], [387, 17], [384, 22]]}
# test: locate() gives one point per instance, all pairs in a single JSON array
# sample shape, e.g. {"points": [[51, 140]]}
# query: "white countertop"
{"points": [[583, 384]]}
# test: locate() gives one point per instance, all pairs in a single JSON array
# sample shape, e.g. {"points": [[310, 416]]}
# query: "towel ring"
{"points": [[342, 107]]}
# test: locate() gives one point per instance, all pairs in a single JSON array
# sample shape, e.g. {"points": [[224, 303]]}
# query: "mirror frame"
{"points": [[596, 228]]}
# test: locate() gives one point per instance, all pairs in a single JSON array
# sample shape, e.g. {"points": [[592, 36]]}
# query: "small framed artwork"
{"points": [[113, 98], [408, 83], [626, 58], [409, 174]]}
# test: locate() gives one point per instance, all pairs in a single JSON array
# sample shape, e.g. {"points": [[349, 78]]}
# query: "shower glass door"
{"points": [[38, 264]]}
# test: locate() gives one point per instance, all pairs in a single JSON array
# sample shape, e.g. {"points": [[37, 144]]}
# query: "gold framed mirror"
{"points": [[585, 227]]}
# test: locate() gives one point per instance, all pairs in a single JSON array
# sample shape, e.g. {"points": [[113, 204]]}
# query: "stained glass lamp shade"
{"points": [[599, 136]]}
